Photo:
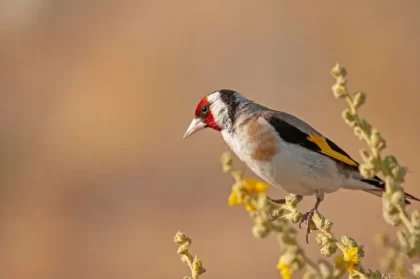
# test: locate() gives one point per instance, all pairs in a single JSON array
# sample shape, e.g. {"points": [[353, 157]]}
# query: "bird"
{"points": [[282, 149]]}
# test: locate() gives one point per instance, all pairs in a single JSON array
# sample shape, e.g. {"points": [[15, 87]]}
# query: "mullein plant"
{"points": [[269, 217], [394, 208]]}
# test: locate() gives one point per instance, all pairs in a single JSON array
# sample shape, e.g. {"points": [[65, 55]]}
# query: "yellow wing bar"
{"points": [[326, 149]]}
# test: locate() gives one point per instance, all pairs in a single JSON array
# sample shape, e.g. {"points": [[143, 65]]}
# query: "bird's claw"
{"points": [[307, 217]]}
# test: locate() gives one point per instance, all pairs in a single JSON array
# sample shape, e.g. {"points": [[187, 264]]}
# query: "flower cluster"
{"points": [[242, 190]]}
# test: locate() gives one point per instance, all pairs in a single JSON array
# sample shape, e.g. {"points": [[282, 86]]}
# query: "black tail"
{"points": [[380, 185]]}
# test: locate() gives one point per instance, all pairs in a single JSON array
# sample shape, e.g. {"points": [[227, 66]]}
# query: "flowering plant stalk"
{"points": [[193, 262]]}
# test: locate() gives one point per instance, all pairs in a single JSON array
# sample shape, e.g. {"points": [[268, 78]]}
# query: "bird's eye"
{"points": [[204, 109]]}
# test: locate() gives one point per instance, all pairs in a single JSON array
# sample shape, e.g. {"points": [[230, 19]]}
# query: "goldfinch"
{"points": [[281, 149]]}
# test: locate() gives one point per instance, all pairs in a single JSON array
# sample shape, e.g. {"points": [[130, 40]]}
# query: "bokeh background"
{"points": [[96, 96]]}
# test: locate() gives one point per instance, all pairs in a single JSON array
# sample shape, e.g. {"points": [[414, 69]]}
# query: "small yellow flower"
{"points": [[254, 185], [249, 207], [234, 198], [244, 188], [348, 260], [286, 271]]}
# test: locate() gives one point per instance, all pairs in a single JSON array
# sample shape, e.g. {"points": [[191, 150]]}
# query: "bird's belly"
{"points": [[290, 180], [295, 169], [299, 172]]}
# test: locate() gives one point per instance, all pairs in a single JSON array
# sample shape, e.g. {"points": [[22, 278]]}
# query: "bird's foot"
{"points": [[307, 218]]}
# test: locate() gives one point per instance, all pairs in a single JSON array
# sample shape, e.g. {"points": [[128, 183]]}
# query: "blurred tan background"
{"points": [[95, 98]]}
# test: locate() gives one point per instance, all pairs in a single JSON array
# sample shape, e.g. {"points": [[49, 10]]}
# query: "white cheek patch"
{"points": [[219, 111], [218, 108]]}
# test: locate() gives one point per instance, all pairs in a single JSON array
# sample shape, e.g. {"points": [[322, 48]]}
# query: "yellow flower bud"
{"points": [[375, 138], [233, 199], [185, 258], [260, 231], [183, 249], [397, 197], [327, 225], [349, 117], [359, 99], [328, 249], [338, 71], [227, 168], [390, 161], [366, 171], [345, 240], [261, 187], [250, 184], [351, 242], [339, 90], [226, 160], [359, 133], [198, 266], [180, 238], [249, 207], [388, 206], [399, 172], [321, 239], [375, 162]]}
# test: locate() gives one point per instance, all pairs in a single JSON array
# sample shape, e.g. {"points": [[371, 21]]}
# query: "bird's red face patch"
{"points": [[203, 112]]}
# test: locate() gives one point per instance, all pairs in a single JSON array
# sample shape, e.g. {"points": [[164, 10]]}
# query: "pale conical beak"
{"points": [[195, 126]]}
